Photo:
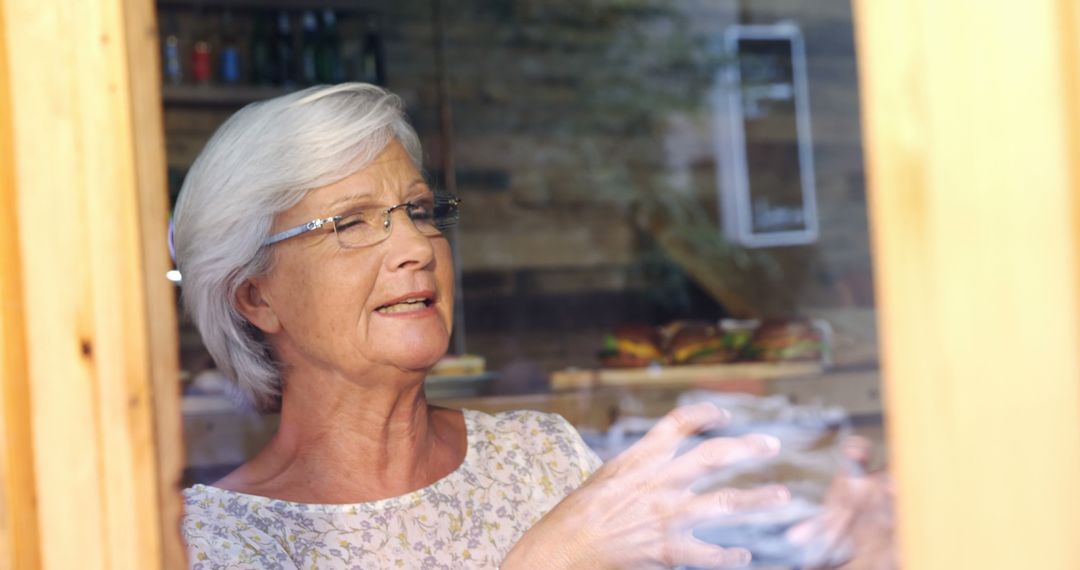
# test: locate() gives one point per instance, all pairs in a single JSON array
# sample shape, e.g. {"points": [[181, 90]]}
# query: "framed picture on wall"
{"points": [[764, 146]]}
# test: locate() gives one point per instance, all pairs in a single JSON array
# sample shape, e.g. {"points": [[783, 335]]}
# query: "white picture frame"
{"points": [[777, 205]]}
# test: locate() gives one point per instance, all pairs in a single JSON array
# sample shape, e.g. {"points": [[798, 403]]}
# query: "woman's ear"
{"points": [[252, 302]]}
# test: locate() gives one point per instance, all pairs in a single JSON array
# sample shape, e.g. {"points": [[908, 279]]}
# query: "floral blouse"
{"points": [[517, 467]]}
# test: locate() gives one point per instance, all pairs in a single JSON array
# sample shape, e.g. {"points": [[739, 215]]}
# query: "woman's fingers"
{"points": [[720, 452], [693, 552], [664, 439], [727, 502], [858, 450], [822, 538], [646, 491]]}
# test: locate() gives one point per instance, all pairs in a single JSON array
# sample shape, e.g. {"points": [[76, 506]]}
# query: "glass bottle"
{"points": [[172, 65], [263, 64], [309, 47], [328, 61], [283, 47], [351, 56], [229, 60], [374, 58], [202, 71]]}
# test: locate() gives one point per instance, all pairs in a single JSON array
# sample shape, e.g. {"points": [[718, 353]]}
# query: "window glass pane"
{"points": [[663, 202]]}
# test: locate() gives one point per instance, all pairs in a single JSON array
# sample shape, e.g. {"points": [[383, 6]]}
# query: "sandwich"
{"points": [[701, 343], [786, 341], [630, 346]]}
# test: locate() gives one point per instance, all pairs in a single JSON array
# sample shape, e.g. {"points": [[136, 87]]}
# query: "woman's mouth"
{"points": [[417, 302], [405, 306]]}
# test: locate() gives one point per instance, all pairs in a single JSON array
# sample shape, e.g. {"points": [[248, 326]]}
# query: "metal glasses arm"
{"points": [[301, 229]]}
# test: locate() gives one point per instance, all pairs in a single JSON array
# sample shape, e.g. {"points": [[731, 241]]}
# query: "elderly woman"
{"points": [[316, 267]]}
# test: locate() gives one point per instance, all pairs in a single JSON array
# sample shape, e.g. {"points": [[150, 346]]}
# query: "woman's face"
{"points": [[341, 310]]}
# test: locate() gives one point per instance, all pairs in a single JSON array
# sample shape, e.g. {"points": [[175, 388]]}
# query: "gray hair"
{"points": [[261, 162]]}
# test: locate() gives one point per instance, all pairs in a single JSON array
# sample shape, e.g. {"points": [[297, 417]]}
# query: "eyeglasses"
{"points": [[368, 226]]}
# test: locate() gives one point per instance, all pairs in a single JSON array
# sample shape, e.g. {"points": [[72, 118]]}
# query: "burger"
{"points": [[700, 343], [786, 341], [631, 346]]}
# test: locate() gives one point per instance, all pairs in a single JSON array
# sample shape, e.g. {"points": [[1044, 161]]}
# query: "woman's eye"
{"points": [[352, 221], [420, 212], [443, 210]]}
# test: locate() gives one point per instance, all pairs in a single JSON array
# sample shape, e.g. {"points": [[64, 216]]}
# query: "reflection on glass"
{"points": [[596, 279]]}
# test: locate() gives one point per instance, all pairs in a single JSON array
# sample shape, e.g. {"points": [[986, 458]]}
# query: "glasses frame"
{"points": [[318, 223]]}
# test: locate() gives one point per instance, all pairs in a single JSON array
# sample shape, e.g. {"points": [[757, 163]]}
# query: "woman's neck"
{"points": [[344, 442]]}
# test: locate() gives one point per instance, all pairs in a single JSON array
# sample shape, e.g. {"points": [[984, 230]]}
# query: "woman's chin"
{"points": [[417, 365], [419, 357], [408, 344]]}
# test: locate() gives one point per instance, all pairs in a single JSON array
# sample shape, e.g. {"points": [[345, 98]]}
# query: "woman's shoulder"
{"points": [[545, 436], [208, 510], [223, 528], [524, 424]]}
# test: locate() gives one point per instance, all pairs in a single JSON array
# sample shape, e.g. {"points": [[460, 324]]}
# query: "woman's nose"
{"points": [[410, 246]]}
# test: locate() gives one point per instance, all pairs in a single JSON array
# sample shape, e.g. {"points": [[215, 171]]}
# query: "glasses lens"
{"points": [[360, 228], [433, 213], [422, 214], [430, 215], [446, 209]]}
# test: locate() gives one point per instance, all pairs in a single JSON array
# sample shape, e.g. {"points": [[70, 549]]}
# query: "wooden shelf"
{"points": [[571, 379], [438, 387], [219, 95], [348, 5]]}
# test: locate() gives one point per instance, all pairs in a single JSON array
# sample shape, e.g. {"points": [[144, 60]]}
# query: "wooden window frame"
{"points": [[971, 114]]}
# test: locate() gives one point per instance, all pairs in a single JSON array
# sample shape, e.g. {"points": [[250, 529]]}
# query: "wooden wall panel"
{"points": [[970, 116], [97, 322], [153, 209], [18, 508]]}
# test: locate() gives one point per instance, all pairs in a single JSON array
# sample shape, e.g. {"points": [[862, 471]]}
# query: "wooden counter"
{"points": [[684, 375], [218, 436]]}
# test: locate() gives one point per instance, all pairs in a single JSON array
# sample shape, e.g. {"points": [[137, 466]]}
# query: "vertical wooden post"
{"points": [[972, 130], [19, 546], [143, 58], [91, 414]]}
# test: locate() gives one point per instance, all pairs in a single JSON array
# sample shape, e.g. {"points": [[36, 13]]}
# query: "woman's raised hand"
{"points": [[639, 510], [854, 530]]}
